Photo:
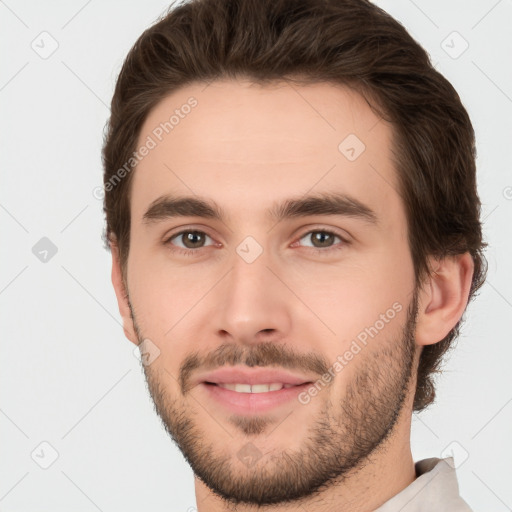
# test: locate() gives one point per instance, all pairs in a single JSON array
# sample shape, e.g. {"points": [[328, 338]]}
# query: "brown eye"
{"points": [[193, 239], [322, 242], [189, 239], [321, 238]]}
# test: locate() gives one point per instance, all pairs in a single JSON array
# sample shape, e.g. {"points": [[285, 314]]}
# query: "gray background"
{"points": [[69, 377]]}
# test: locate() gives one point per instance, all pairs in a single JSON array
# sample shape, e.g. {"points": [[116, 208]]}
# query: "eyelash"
{"points": [[316, 250]]}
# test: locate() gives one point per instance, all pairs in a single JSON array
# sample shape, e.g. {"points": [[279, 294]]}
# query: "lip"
{"points": [[243, 375], [251, 403]]}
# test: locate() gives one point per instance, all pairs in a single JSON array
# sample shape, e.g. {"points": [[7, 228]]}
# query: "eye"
{"points": [[323, 240], [190, 240]]}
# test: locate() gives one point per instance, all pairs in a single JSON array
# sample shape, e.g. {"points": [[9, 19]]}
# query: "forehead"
{"points": [[247, 146]]}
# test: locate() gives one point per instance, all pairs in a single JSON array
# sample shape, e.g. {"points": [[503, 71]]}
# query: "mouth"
{"points": [[253, 399], [254, 388], [243, 390]]}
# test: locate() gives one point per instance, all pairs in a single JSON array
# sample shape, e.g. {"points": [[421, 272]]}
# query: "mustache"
{"points": [[265, 354]]}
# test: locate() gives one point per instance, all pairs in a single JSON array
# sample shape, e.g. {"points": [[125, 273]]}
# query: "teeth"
{"points": [[256, 388]]}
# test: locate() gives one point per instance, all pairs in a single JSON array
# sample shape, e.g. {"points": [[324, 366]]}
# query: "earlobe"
{"points": [[121, 295], [444, 297]]}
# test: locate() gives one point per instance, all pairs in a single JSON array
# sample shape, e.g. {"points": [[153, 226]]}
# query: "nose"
{"points": [[252, 303]]}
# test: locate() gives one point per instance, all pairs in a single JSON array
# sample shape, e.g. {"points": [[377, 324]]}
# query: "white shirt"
{"points": [[435, 490]]}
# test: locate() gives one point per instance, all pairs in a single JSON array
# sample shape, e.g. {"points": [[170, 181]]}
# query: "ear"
{"points": [[443, 297], [121, 294]]}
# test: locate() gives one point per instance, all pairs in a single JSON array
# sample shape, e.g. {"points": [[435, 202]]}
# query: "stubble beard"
{"points": [[339, 440]]}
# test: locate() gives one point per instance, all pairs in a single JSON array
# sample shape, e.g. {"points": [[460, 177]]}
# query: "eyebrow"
{"points": [[169, 206]]}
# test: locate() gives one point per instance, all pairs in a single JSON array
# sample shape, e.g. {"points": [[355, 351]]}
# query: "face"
{"points": [[269, 246]]}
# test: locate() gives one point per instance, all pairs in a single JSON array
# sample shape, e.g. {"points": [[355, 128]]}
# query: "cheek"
{"points": [[162, 292], [175, 304], [367, 336], [350, 296], [174, 308]]}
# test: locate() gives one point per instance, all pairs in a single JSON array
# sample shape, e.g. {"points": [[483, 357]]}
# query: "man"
{"points": [[292, 210]]}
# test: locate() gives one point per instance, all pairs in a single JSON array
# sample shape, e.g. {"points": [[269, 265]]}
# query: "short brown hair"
{"points": [[348, 42]]}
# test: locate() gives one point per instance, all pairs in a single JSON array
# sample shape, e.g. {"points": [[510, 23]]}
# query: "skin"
{"points": [[247, 147]]}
